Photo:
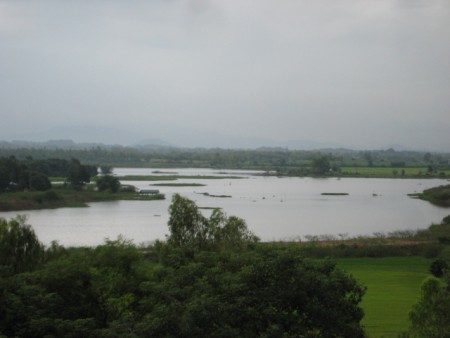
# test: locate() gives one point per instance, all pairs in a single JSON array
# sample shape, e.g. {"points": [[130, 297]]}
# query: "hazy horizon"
{"points": [[361, 75]]}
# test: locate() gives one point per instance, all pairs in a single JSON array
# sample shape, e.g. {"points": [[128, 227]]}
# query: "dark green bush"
{"points": [[438, 267]]}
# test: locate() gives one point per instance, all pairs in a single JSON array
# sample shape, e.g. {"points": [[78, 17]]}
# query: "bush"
{"points": [[438, 267], [51, 195], [108, 182], [20, 249]]}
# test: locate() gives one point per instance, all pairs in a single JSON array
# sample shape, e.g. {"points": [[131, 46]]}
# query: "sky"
{"points": [[230, 73]]}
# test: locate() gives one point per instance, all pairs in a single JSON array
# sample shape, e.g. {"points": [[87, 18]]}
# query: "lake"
{"points": [[274, 208]]}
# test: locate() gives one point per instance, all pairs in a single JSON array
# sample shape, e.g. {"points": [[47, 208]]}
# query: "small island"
{"points": [[438, 195]]}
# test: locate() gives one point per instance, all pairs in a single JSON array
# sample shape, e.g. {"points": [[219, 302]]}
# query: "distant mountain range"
{"points": [[85, 137]]}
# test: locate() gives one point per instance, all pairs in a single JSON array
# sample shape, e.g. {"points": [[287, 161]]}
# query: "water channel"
{"points": [[274, 208]]}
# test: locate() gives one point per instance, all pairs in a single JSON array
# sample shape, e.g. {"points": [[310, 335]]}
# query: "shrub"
{"points": [[438, 267]]}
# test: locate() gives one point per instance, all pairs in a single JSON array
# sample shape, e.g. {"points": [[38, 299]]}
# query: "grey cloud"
{"points": [[361, 74]]}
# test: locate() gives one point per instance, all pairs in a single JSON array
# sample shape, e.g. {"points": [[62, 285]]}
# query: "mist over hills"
{"points": [[85, 137]]}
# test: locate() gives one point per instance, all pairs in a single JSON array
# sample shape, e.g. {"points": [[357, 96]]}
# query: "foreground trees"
{"points": [[189, 228], [20, 249], [211, 279]]}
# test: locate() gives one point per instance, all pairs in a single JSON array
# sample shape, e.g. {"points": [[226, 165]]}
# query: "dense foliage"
{"points": [[17, 176], [430, 317], [189, 228], [31, 175], [108, 182], [172, 290], [437, 195]]}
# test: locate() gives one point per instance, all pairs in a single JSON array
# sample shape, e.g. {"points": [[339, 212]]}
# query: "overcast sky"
{"points": [[361, 74]]}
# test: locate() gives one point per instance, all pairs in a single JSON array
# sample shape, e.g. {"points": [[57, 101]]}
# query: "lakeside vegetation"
{"points": [[22, 187], [438, 195], [65, 197], [387, 163]]}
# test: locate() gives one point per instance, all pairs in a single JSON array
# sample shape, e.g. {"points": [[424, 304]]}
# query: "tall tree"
{"points": [[78, 174], [188, 227], [20, 249], [430, 317], [320, 165]]}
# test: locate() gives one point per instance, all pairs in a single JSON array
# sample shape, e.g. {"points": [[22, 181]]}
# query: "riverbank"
{"points": [[64, 197], [438, 196]]}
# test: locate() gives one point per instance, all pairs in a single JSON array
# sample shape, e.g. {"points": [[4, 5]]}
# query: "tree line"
{"points": [[33, 175], [298, 162]]}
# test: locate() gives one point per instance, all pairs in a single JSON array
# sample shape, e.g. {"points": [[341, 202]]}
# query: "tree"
{"points": [[230, 232], [255, 293], [368, 157], [320, 165], [430, 317], [108, 182], [438, 267], [106, 169], [32, 180], [188, 227], [78, 174], [20, 249]]}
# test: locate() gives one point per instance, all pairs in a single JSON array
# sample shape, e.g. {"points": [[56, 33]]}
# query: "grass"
{"points": [[393, 286], [389, 172]]}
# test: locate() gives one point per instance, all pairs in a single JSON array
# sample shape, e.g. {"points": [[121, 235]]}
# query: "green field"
{"points": [[393, 286], [389, 172]]}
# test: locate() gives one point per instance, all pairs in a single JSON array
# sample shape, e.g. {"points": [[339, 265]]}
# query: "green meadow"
{"points": [[393, 286], [388, 172]]}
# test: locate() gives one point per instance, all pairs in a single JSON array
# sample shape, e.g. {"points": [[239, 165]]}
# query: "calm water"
{"points": [[274, 208]]}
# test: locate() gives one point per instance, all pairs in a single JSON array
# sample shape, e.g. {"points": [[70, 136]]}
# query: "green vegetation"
{"points": [[389, 172], [108, 182], [430, 317], [63, 196], [24, 188], [189, 228], [330, 162], [209, 280], [393, 286], [334, 193], [438, 195]]}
